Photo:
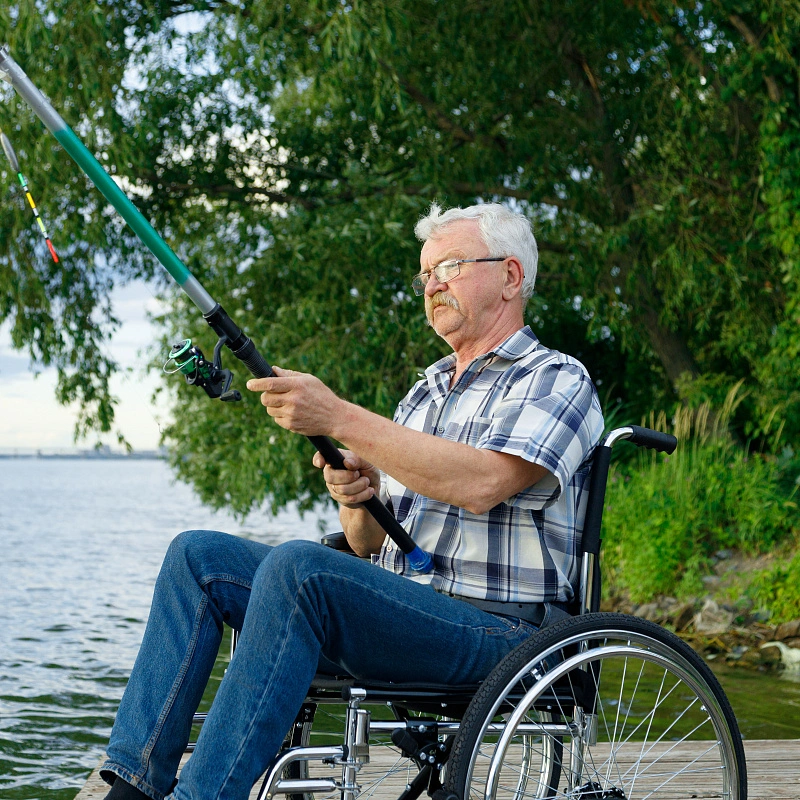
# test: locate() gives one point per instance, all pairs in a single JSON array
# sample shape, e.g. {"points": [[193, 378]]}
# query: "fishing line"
{"points": [[14, 161]]}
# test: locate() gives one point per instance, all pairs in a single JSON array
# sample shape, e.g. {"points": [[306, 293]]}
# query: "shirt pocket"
{"points": [[466, 431]]}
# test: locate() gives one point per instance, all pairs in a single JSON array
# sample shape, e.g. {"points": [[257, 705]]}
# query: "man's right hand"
{"points": [[351, 486]]}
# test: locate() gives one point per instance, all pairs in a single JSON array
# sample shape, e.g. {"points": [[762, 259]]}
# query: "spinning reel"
{"points": [[209, 376]]}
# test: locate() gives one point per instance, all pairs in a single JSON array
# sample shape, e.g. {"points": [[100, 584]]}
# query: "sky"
{"points": [[30, 416]]}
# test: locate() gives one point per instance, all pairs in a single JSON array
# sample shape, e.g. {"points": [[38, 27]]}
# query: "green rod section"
{"points": [[12, 73], [127, 210]]}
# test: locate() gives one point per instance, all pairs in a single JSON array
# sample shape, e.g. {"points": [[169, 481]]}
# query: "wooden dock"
{"points": [[773, 768]]}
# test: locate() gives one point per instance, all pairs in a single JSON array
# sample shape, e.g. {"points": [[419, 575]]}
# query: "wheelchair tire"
{"points": [[659, 723]]}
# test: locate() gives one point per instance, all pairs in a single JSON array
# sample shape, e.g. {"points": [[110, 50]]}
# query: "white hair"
{"points": [[504, 232]]}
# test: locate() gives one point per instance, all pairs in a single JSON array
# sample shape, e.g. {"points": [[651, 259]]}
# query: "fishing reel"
{"points": [[209, 376]]}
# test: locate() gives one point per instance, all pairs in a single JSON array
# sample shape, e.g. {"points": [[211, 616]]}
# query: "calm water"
{"points": [[81, 542], [80, 546]]}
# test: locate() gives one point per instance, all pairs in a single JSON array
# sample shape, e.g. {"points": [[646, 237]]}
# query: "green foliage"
{"points": [[368, 346], [778, 590], [285, 150], [666, 516]]}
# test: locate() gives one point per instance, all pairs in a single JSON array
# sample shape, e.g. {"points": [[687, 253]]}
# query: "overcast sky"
{"points": [[30, 417]]}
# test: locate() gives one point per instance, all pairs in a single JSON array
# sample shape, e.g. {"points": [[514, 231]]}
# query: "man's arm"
{"points": [[451, 472], [350, 487], [363, 534]]}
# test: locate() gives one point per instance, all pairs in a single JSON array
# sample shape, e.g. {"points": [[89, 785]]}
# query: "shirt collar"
{"points": [[517, 345]]}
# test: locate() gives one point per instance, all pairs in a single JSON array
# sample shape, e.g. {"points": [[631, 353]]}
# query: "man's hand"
{"points": [[351, 486], [299, 402]]}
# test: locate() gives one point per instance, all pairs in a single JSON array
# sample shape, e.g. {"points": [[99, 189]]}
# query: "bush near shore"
{"points": [[671, 520]]}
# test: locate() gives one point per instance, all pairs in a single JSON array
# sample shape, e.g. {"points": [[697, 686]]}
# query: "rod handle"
{"points": [[247, 353], [416, 557]]}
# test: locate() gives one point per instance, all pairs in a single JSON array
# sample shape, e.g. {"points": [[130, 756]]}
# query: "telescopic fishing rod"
{"points": [[189, 360], [14, 161]]}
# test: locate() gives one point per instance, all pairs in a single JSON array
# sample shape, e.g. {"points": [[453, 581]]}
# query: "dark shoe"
{"points": [[122, 790]]}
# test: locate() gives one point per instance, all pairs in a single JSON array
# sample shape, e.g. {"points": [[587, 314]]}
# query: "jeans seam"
{"points": [[264, 693], [418, 611], [129, 777], [176, 686], [226, 577]]}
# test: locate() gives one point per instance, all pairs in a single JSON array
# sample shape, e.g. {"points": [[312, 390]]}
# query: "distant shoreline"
{"points": [[88, 455]]}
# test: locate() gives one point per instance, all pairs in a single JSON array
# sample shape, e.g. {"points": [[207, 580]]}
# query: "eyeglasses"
{"points": [[446, 271]]}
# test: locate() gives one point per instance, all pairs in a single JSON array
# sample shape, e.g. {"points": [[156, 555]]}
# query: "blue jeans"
{"points": [[296, 605]]}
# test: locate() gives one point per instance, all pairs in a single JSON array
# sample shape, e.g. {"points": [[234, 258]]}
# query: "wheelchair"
{"points": [[595, 706]]}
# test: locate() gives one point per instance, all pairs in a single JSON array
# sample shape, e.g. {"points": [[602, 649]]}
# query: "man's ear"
{"points": [[515, 274]]}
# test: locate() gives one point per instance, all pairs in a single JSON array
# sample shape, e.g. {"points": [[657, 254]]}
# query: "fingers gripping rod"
{"points": [[239, 344]]}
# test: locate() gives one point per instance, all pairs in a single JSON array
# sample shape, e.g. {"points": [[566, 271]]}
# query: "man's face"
{"points": [[462, 310]]}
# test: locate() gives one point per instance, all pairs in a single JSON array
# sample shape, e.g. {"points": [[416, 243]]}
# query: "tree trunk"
{"points": [[669, 346]]}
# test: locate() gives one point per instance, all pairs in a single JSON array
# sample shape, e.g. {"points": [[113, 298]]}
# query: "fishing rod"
{"points": [[14, 161], [188, 359]]}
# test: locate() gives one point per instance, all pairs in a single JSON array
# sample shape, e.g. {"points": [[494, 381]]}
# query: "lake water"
{"points": [[81, 542]]}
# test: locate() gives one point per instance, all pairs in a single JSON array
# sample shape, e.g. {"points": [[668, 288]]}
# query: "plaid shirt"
{"points": [[535, 403]]}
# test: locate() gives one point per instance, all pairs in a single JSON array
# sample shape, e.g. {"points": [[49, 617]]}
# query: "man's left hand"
{"points": [[299, 402]]}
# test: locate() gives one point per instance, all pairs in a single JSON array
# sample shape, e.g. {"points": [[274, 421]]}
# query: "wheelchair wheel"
{"points": [[638, 711]]}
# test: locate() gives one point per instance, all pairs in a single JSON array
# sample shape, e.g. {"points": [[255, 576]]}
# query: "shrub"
{"points": [[778, 590], [667, 515]]}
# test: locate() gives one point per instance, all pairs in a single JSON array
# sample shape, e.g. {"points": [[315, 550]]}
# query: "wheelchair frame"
{"points": [[542, 695]]}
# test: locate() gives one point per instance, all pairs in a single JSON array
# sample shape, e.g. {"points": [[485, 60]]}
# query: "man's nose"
{"points": [[433, 285]]}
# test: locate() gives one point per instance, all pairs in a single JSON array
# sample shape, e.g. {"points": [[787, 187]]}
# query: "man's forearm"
{"points": [[363, 533], [451, 472]]}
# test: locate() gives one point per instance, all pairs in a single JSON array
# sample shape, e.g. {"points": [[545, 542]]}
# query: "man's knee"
{"points": [[300, 552], [293, 562], [191, 550]]}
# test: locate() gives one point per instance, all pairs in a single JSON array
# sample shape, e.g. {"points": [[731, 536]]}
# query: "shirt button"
{"points": [[388, 548], [441, 430]]}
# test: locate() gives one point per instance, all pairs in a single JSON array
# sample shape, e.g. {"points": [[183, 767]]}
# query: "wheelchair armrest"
{"points": [[338, 541]]}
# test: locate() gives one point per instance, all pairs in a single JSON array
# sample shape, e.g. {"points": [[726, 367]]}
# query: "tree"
{"points": [[286, 150]]}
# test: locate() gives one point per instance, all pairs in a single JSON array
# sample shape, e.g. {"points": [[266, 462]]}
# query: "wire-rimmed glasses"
{"points": [[446, 271]]}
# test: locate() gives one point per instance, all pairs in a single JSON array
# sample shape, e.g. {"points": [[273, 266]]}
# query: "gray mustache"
{"points": [[443, 299]]}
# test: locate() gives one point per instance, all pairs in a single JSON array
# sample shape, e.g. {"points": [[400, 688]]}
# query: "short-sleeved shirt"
{"points": [[527, 400]]}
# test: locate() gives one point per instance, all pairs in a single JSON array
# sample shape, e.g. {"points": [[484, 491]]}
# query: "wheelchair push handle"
{"points": [[655, 440]]}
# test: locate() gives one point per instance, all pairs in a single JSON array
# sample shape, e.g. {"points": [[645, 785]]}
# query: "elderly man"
{"points": [[484, 465]]}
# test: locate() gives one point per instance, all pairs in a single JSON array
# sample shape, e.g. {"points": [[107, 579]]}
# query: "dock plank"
{"points": [[773, 768]]}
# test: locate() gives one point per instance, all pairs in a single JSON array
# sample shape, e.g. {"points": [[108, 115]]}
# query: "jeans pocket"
{"points": [[514, 626], [553, 614]]}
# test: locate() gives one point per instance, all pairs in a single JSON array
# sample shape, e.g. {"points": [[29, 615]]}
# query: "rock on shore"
{"points": [[719, 631]]}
